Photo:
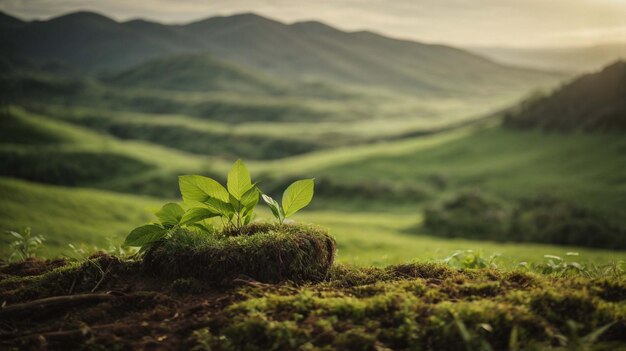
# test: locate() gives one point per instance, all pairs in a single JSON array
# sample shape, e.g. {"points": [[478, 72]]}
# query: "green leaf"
{"points": [[201, 227], [247, 218], [197, 214], [235, 203], [145, 234], [238, 180], [250, 199], [273, 205], [15, 234], [223, 208], [297, 196], [199, 188], [170, 214]]}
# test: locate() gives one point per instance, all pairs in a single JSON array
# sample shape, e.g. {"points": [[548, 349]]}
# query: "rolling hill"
{"points": [[595, 101], [301, 51], [193, 73]]}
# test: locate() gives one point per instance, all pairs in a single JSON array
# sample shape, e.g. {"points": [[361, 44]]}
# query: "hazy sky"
{"points": [[529, 23]]}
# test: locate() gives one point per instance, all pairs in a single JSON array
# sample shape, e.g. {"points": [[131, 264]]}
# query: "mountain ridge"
{"points": [[301, 51]]}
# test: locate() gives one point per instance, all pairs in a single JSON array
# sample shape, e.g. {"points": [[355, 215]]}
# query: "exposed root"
{"points": [[51, 304]]}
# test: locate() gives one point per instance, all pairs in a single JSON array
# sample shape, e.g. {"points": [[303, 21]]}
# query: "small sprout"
{"points": [[297, 196], [25, 244], [469, 259]]}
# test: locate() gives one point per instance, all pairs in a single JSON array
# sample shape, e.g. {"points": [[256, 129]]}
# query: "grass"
{"points": [[78, 138], [70, 215], [382, 239], [583, 168]]}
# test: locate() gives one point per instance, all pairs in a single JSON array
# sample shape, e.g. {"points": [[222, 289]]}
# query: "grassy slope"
{"points": [[380, 239], [192, 73], [510, 163], [585, 168], [75, 138], [70, 215]]}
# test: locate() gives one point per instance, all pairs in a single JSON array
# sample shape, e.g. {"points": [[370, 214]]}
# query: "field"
{"points": [[369, 232]]}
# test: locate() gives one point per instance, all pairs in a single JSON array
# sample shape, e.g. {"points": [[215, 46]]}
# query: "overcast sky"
{"points": [[522, 23]]}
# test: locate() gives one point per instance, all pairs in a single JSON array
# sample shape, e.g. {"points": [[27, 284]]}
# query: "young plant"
{"points": [[25, 244], [297, 196], [234, 204], [468, 259], [206, 198]]}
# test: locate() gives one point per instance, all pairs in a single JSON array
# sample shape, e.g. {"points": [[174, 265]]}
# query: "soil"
{"points": [[128, 313]]}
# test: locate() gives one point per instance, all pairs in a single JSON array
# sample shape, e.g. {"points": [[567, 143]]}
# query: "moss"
{"points": [[357, 339], [420, 306], [264, 252], [346, 275], [416, 306], [610, 290], [521, 279]]}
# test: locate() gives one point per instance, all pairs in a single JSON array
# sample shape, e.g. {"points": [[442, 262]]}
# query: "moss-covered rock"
{"points": [[264, 252]]}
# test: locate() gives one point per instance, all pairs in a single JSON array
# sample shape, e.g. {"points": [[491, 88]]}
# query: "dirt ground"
{"points": [[125, 312]]}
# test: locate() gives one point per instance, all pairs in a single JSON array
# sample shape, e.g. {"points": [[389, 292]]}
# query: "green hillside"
{"points": [[396, 179], [193, 73], [595, 101], [510, 163], [71, 215]]}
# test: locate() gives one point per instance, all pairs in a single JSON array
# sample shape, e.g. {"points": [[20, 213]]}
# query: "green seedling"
{"points": [[25, 244], [206, 198], [297, 196]]}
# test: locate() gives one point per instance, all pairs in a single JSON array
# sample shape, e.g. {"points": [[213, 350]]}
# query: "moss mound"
{"points": [[264, 252]]}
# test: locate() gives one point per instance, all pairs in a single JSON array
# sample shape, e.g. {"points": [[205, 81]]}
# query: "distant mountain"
{"points": [[582, 60], [592, 102], [89, 41], [306, 51], [192, 73]]}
